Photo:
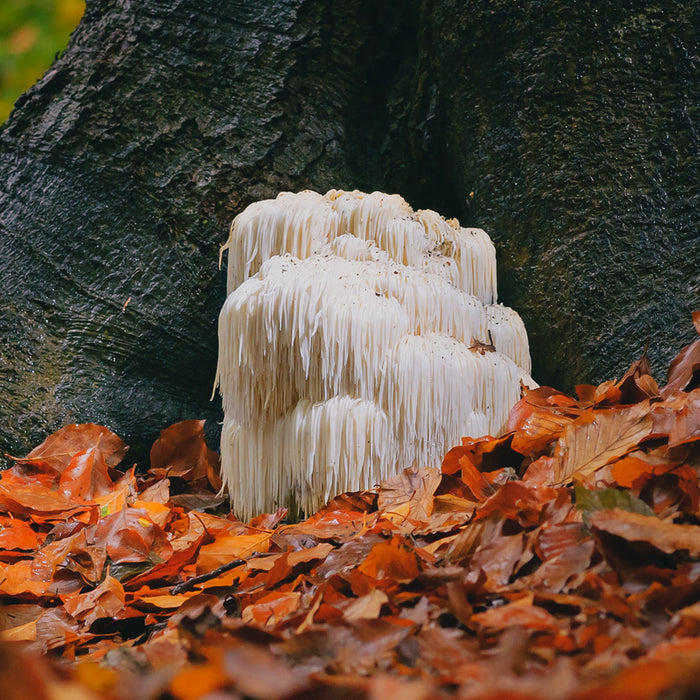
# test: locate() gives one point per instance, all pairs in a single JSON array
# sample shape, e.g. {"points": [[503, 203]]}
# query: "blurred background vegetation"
{"points": [[32, 32]]}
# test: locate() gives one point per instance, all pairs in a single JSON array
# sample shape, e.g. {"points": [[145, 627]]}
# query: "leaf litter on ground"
{"points": [[560, 560]]}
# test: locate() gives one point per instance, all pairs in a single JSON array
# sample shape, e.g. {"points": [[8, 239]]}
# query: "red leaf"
{"points": [[517, 501], [393, 560], [181, 450], [86, 476], [130, 536], [686, 365], [58, 450]]}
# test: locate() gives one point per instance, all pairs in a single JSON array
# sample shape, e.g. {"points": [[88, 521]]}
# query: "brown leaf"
{"points": [[181, 450], [661, 534], [496, 557], [516, 500], [366, 607], [516, 614], [686, 424], [58, 450], [685, 367], [542, 397], [131, 536], [24, 675], [413, 489], [107, 600], [86, 476], [542, 427], [393, 560], [598, 437]]}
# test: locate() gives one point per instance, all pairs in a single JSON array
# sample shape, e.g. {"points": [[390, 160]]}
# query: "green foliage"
{"points": [[32, 32], [592, 500]]}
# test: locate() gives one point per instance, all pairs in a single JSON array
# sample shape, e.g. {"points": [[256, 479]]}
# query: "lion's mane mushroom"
{"points": [[354, 343]]}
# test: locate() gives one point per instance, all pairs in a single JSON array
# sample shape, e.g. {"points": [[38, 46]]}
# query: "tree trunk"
{"points": [[569, 131]]}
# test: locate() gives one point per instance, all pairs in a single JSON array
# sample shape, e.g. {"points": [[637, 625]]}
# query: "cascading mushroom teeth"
{"points": [[346, 346]]}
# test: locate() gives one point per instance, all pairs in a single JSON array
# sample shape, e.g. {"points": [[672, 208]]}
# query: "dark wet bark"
{"points": [[568, 130]]}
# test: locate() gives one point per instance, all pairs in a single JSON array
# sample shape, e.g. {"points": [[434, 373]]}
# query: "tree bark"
{"points": [[569, 131]]}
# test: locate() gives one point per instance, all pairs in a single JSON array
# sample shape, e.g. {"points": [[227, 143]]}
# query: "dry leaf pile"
{"points": [[561, 560]]}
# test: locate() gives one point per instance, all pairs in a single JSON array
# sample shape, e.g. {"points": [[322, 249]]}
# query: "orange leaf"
{"points": [[17, 495], [392, 560], [633, 527], [195, 682], [17, 534], [515, 615], [226, 548], [271, 608], [165, 601], [86, 476], [58, 450], [17, 579], [131, 536], [598, 437], [632, 472], [107, 600], [181, 450]]}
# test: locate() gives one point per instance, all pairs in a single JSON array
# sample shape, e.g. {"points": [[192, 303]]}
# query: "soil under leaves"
{"points": [[561, 560]]}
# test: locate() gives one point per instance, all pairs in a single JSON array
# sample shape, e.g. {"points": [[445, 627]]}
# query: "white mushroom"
{"points": [[345, 346]]}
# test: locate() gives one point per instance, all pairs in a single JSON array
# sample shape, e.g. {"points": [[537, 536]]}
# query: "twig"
{"points": [[192, 582]]}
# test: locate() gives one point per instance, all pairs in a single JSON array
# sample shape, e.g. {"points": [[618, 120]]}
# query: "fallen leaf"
{"points": [[271, 608], [412, 489], [181, 450], [366, 607], [58, 450], [542, 427], [393, 560], [591, 500], [661, 534], [225, 548], [598, 437], [106, 600], [515, 615], [201, 680], [131, 536], [86, 476], [684, 369], [685, 427], [516, 500], [18, 534]]}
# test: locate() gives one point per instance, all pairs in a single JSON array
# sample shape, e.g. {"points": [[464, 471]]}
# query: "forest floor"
{"points": [[560, 560]]}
